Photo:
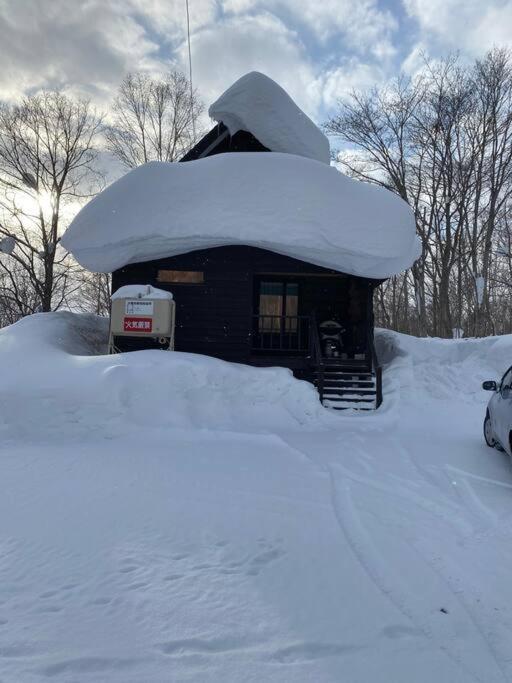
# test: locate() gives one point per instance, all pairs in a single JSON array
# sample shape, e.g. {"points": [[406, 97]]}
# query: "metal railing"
{"points": [[281, 333], [317, 356], [376, 368], [299, 333]]}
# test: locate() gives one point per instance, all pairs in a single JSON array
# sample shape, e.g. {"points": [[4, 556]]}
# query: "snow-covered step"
{"points": [[342, 389], [345, 405], [328, 382], [357, 396], [359, 376]]}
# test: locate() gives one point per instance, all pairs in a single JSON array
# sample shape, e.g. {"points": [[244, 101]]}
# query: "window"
{"points": [[278, 304], [506, 382], [185, 277]]}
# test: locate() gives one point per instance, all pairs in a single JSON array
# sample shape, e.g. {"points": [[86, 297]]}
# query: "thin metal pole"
{"points": [[190, 74]]}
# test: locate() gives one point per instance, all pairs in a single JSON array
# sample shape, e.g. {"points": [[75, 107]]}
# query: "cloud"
{"points": [[472, 26], [85, 46], [362, 24], [263, 42], [168, 18], [253, 43], [351, 75], [414, 62], [316, 50]]}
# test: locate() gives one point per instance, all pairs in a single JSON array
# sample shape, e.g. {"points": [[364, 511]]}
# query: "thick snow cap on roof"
{"points": [[281, 202], [259, 105]]}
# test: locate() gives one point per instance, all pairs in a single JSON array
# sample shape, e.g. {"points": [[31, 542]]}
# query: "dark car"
{"points": [[498, 418]]}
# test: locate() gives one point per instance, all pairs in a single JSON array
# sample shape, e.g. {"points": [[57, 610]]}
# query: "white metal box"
{"points": [[143, 311]]}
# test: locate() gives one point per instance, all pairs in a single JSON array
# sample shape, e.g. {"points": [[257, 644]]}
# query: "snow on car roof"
{"points": [[280, 202]]}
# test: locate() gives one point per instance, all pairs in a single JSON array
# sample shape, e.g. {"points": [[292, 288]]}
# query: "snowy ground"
{"points": [[172, 518]]}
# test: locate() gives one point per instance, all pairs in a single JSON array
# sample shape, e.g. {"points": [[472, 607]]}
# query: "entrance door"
{"points": [[278, 326]]}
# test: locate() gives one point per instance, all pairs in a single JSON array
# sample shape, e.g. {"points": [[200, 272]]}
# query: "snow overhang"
{"points": [[280, 202], [257, 104]]}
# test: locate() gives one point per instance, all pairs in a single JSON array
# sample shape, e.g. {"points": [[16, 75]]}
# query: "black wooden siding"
{"points": [[219, 141], [215, 317]]}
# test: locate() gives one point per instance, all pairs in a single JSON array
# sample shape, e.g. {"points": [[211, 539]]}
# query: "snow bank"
{"points": [[431, 369], [33, 338], [284, 203], [488, 354], [259, 105], [51, 380], [371, 551]]}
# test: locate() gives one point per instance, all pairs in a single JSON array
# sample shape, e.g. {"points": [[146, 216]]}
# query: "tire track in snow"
{"points": [[475, 509], [457, 594], [474, 503], [446, 512], [477, 477], [496, 524], [480, 512], [373, 563], [425, 475]]}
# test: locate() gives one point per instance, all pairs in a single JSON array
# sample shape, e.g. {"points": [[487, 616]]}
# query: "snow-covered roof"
{"points": [[259, 105], [281, 202]]}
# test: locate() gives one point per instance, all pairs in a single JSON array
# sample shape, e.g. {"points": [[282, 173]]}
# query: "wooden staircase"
{"points": [[346, 383], [342, 387]]}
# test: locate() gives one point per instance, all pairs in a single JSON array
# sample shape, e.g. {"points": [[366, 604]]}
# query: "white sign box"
{"points": [[139, 307]]}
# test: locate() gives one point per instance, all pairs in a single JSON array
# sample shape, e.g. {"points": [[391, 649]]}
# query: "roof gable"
{"points": [[255, 103], [219, 140]]}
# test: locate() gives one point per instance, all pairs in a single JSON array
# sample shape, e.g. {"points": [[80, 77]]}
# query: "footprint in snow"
{"points": [[397, 631], [101, 601], [253, 563]]}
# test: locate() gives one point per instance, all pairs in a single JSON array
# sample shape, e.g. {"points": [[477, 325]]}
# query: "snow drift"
{"points": [[428, 370], [52, 378], [55, 376], [284, 203], [259, 105], [133, 548]]}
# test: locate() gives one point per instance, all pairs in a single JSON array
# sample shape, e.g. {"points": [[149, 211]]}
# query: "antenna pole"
{"points": [[190, 74]]}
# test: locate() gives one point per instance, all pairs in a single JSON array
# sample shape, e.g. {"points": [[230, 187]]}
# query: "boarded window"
{"points": [[186, 277]]}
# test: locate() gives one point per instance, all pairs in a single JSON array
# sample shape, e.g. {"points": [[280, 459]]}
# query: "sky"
{"points": [[318, 50]]}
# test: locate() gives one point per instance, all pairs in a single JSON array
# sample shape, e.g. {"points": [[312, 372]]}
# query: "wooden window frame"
{"points": [[171, 277]]}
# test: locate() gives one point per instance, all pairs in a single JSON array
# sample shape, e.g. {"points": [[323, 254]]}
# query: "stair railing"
{"points": [[316, 355], [377, 369]]}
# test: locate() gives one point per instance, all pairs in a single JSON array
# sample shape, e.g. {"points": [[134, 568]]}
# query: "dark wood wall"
{"points": [[219, 141], [215, 317]]}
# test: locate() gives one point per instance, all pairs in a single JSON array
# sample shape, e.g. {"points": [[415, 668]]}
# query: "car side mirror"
{"points": [[489, 385]]}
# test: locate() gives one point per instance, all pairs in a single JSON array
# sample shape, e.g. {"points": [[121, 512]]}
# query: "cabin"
{"points": [[271, 254]]}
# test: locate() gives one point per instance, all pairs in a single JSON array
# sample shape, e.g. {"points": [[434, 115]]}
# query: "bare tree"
{"points": [[47, 169], [17, 296], [443, 142], [94, 293], [153, 120]]}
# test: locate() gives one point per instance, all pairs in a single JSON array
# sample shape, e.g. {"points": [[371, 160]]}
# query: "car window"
{"points": [[507, 379]]}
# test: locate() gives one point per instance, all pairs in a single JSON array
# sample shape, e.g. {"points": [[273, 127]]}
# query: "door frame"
{"points": [[282, 279]]}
